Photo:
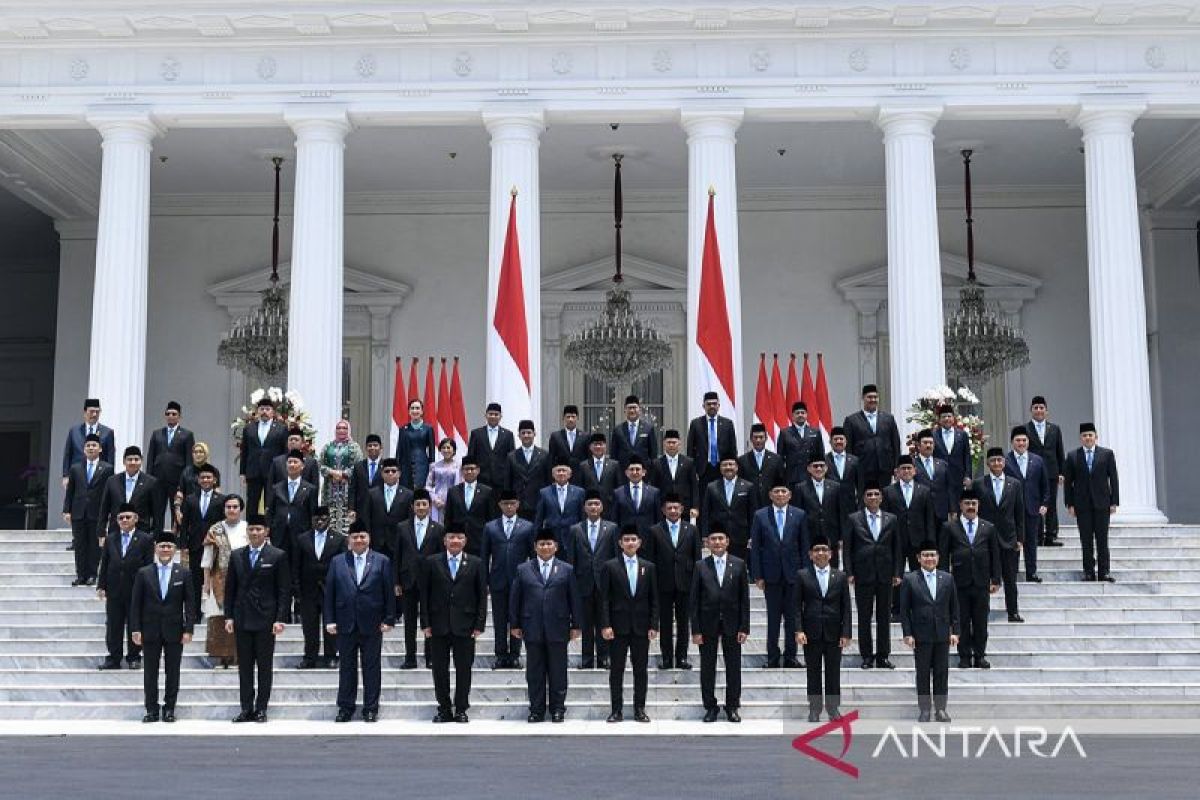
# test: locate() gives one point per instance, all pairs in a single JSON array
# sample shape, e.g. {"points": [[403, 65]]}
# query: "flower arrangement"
{"points": [[289, 409], [924, 413]]}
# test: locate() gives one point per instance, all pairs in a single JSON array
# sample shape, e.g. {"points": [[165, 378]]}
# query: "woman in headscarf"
{"points": [[189, 479], [337, 460], [222, 539], [414, 447]]}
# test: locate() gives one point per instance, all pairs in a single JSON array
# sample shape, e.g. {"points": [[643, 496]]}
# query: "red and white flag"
{"points": [[827, 422], [808, 394], [792, 394], [764, 412], [414, 389], [715, 370], [430, 399], [778, 398], [509, 380], [445, 421], [459, 413], [399, 404]]}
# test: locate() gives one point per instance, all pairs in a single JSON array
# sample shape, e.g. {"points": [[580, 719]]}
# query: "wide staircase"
{"points": [[1130, 649]]}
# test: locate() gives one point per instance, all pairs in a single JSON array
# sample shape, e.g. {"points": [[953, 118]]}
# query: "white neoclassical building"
{"points": [[831, 131]]}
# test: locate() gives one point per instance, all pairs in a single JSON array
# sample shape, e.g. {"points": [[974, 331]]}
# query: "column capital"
{"points": [[721, 123], [907, 120], [318, 123], [125, 125], [1107, 118], [515, 125]]}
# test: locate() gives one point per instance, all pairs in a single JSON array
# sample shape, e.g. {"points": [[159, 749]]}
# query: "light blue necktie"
{"points": [[998, 488], [823, 579], [545, 571], [931, 582], [1088, 453], [593, 533], [91, 470], [562, 498], [508, 526], [839, 459], [253, 558], [599, 469], [468, 494], [164, 580], [875, 527], [319, 543], [779, 522], [907, 487], [370, 472], [170, 435], [712, 441], [131, 483], [758, 457], [729, 485], [637, 496], [124, 543], [632, 432], [453, 567], [971, 531], [719, 563], [359, 566], [675, 534], [390, 491], [291, 491], [871, 421], [419, 528], [631, 571]]}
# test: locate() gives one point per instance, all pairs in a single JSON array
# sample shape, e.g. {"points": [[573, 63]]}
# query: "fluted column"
{"points": [[918, 353], [315, 298], [1117, 306], [515, 141], [712, 163], [117, 372]]}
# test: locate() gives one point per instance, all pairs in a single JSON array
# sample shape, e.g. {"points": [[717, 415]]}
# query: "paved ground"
{"points": [[296, 768]]}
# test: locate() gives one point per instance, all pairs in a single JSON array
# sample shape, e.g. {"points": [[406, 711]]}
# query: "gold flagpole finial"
{"points": [[712, 190], [513, 190]]}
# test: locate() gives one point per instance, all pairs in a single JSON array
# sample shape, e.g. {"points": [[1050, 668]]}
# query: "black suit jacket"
{"points": [[255, 462], [958, 462], [560, 449], [945, 493], [409, 556], [453, 606], [927, 619], [73, 446], [648, 512], [161, 619], [733, 518], [696, 446], [82, 499], [383, 524], [1009, 515], [1099, 488], [877, 450], [724, 607], [1050, 448], [823, 618], [289, 518], [310, 473], [869, 561], [166, 462], [771, 473], [147, 498], [972, 565], [915, 523], [492, 461], [628, 615], [577, 551], [256, 598], [116, 572], [527, 478], [851, 477], [645, 443], [828, 516], [360, 484], [545, 611], [193, 526], [309, 571], [797, 451], [470, 520], [674, 564], [684, 482], [610, 478]]}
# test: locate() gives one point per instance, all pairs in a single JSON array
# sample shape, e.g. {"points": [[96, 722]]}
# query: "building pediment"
{"points": [[639, 274], [361, 290], [1011, 289]]}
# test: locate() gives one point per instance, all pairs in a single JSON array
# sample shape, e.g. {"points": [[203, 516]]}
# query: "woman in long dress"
{"points": [[337, 462], [414, 447], [442, 476], [219, 543]]}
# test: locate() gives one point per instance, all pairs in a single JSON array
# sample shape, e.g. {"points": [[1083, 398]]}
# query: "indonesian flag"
{"points": [[808, 394], [763, 411], [459, 413], [778, 402], [430, 401], [714, 333], [399, 403], [414, 390], [823, 400], [508, 367], [445, 422], [792, 395]]}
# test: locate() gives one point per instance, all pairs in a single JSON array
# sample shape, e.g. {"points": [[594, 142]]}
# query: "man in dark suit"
{"points": [[453, 615], [929, 619], [257, 606], [366, 475], [637, 502], [290, 504], [198, 513], [629, 621], [469, 506], [568, 444], [262, 440], [760, 466], [913, 506], [798, 443], [675, 473], [73, 446], [1030, 470], [874, 560], [311, 471], [315, 550], [591, 543], [843, 467], [1091, 490], [136, 488], [559, 505], [489, 446], [169, 451], [719, 607], [1046, 441], [778, 549], [418, 538], [1002, 503], [161, 616], [826, 507], [728, 506], [387, 506], [934, 474], [81, 509], [545, 610], [972, 550], [600, 473], [124, 551], [507, 542], [527, 471], [873, 437], [823, 613], [360, 607], [711, 439], [634, 436], [952, 445], [674, 547]]}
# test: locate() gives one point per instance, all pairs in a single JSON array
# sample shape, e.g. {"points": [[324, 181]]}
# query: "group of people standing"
{"points": [[601, 538]]}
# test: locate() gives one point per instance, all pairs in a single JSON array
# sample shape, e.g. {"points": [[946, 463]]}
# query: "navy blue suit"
{"points": [[73, 446], [501, 556], [549, 515], [359, 608], [777, 561], [647, 514], [1036, 482], [546, 611]]}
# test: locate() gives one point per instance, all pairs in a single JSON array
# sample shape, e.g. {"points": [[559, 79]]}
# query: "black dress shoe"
{"points": [[344, 716], [923, 716], [683, 665], [1108, 578], [409, 664], [443, 716], [71, 546], [731, 714], [615, 716], [370, 716], [867, 663], [151, 716], [77, 582], [558, 716], [639, 714], [134, 663], [1087, 576], [461, 718], [1015, 618], [793, 663], [245, 716], [964, 663], [168, 715], [941, 716], [260, 716], [603, 663], [307, 663], [834, 714], [814, 715], [90, 582], [1033, 578], [109, 665], [711, 715], [535, 718], [982, 663], [331, 663], [883, 663], [1053, 543]]}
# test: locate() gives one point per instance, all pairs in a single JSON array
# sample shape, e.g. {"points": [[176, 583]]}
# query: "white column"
{"points": [[1117, 304], [516, 138], [712, 163], [918, 354], [117, 374], [315, 298]]}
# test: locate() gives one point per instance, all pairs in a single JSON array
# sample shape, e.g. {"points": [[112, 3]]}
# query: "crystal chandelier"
{"points": [[618, 347], [257, 344], [980, 343]]}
